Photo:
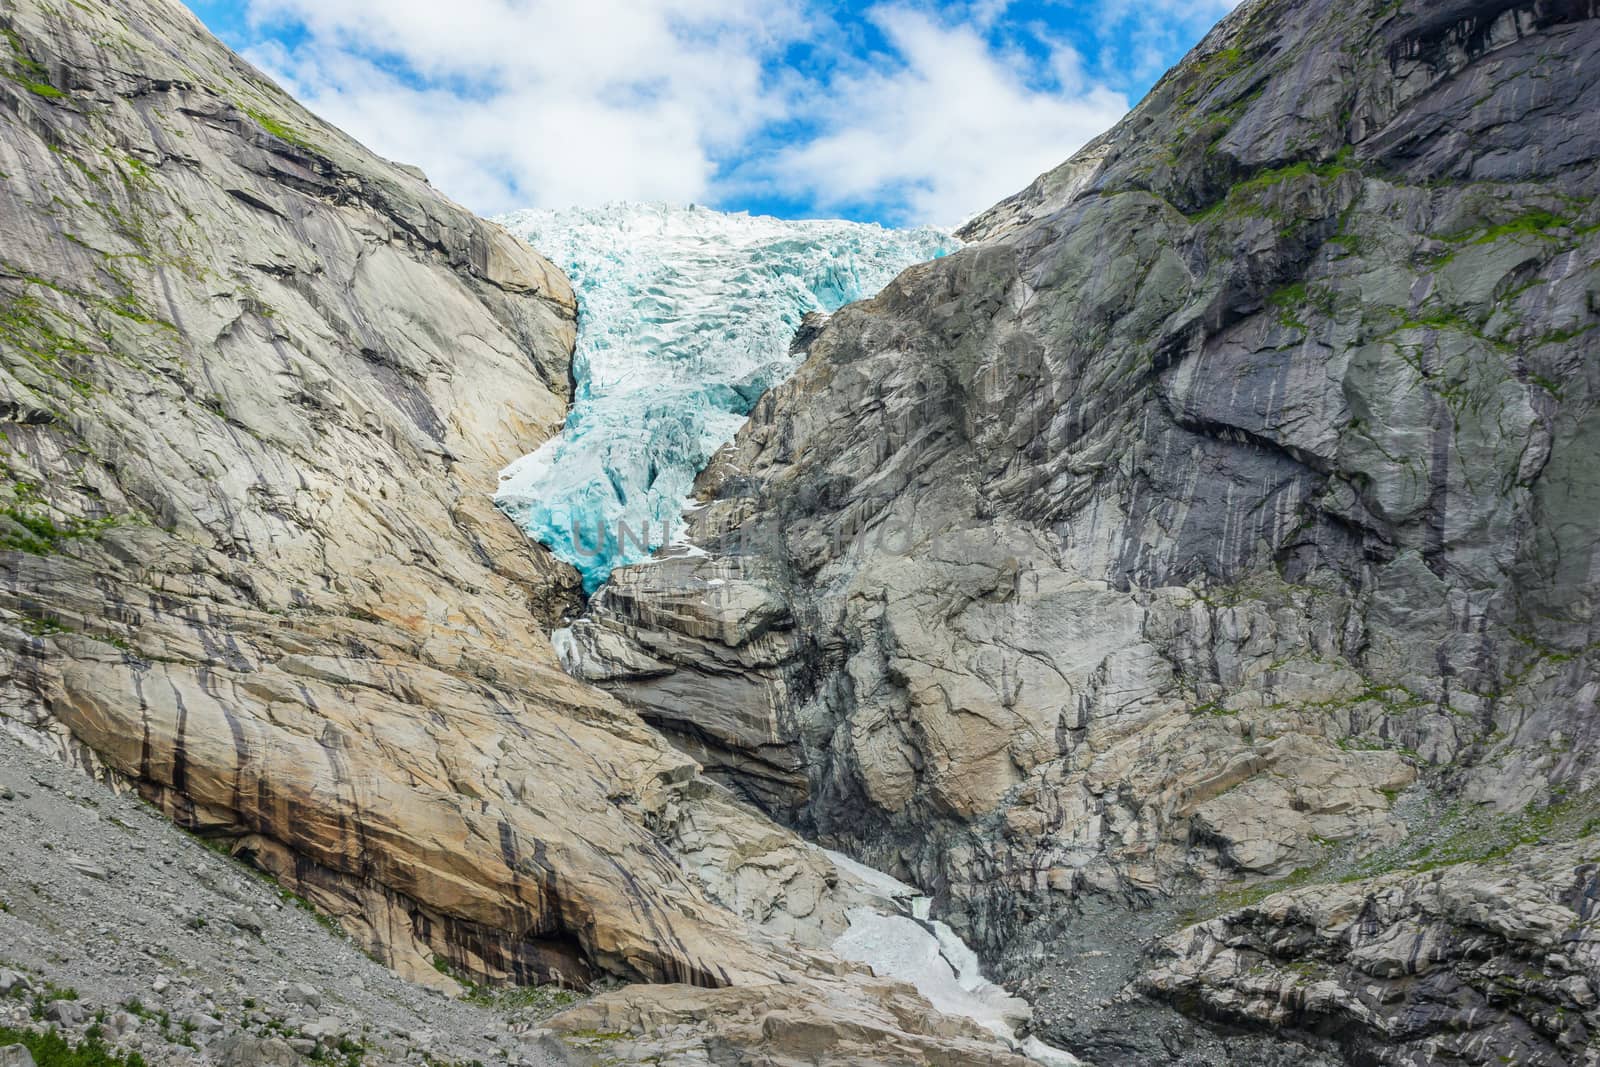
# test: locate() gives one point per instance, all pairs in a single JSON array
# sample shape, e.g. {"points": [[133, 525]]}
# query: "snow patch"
{"points": [[898, 946], [930, 956]]}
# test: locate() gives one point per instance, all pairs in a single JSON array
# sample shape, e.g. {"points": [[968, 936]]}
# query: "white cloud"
{"points": [[505, 103], [516, 103], [949, 130]]}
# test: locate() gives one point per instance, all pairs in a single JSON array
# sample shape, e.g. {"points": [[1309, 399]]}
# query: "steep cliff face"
{"points": [[256, 385], [1221, 520], [254, 388]]}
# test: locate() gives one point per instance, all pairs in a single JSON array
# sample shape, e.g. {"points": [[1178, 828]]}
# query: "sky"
{"points": [[901, 111]]}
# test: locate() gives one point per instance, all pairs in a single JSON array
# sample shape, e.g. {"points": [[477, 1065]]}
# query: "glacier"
{"points": [[686, 316]]}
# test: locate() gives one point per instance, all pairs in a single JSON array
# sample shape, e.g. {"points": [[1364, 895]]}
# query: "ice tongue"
{"points": [[686, 317]]}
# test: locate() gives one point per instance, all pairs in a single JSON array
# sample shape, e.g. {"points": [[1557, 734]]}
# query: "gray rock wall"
{"points": [[1222, 517]]}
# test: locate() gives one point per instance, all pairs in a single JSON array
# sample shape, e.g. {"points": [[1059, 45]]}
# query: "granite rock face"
{"points": [[1393, 967], [254, 389], [255, 386], [1223, 516]]}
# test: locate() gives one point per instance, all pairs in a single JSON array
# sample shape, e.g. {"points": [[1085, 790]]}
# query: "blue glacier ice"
{"points": [[685, 318]]}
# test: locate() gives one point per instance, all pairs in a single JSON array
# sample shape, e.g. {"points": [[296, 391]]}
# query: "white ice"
{"points": [[686, 317], [930, 956]]}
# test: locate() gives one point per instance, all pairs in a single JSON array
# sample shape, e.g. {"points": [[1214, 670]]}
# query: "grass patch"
{"points": [[50, 1049], [346, 1053], [29, 73], [279, 130], [25, 325], [1538, 223], [541, 998], [1241, 198], [1532, 224], [1445, 839], [1292, 299], [171, 1034], [49, 92], [24, 530], [1234, 899], [1464, 837]]}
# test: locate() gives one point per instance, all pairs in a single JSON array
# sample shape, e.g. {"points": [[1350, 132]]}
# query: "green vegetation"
{"points": [[543, 999], [1533, 223], [1386, 322], [1205, 74], [1472, 838], [26, 325], [25, 525], [346, 1053], [29, 73], [1243, 198], [63, 345], [163, 1021], [1559, 337], [43, 627], [1292, 299], [50, 1049], [41, 998], [224, 848], [39, 535], [1247, 896], [138, 169], [1538, 223], [595, 1036], [1454, 837], [279, 130], [289, 896], [1267, 179], [39, 621]]}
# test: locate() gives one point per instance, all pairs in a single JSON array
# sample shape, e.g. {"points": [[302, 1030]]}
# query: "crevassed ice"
{"points": [[686, 316]]}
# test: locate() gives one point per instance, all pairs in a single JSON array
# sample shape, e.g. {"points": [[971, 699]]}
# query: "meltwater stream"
{"points": [[686, 316]]}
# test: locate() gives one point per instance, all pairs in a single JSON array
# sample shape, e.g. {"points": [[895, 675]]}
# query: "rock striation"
{"points": [[255, 386], [251, 565], [1220, 519], [1467, 963]]}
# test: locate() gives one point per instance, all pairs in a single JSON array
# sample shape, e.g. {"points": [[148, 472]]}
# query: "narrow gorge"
{"points": [[687, 317], [1173, 596]]}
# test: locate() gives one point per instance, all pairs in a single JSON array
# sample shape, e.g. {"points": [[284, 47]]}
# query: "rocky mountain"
{"points": [[1192, 582], [1190, 585], [256, 385]]}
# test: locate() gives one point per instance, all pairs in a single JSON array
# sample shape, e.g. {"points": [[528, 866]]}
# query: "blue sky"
{"points": [[898, 111]]}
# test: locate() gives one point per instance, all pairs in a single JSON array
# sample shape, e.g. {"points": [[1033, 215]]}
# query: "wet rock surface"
{"points": [[1222, 519]]}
